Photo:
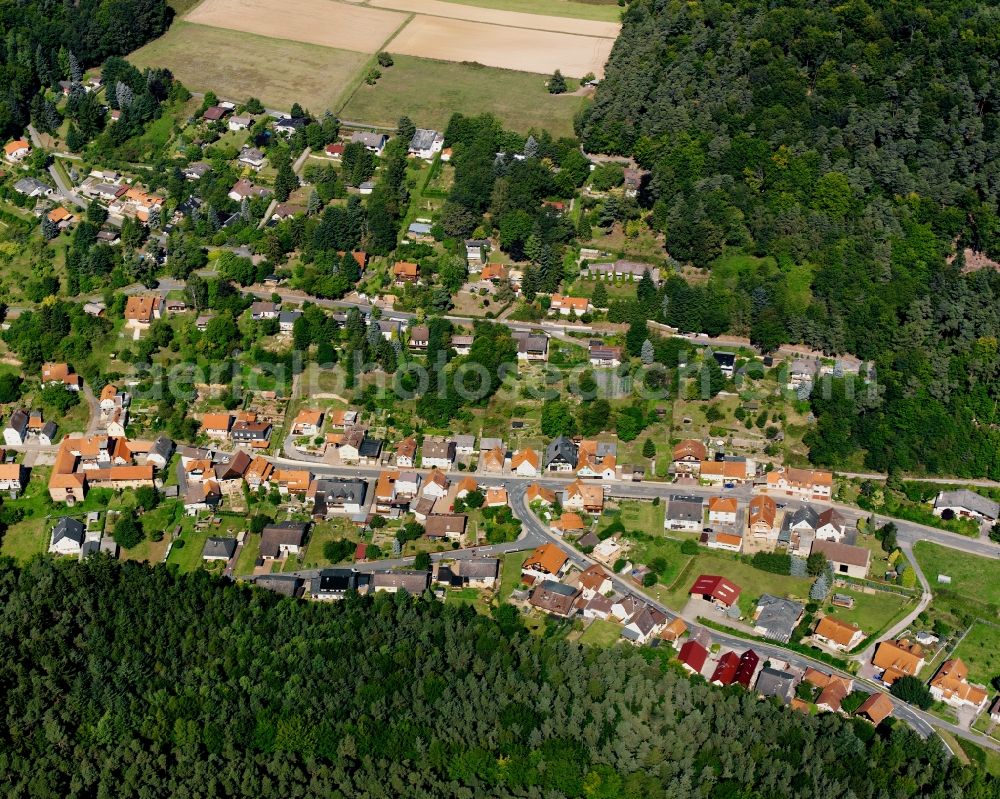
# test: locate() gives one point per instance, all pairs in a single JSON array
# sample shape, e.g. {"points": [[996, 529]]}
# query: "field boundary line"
{"points": [[352, 89]]}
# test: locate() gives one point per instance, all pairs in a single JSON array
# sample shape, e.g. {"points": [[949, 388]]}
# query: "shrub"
{"points": [[689, 547], [774, 562], [912, 690]]}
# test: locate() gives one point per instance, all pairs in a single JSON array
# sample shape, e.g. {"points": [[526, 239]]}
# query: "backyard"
{"points": [[980, 651], [972, 577], [601, 633], [872, 612]]}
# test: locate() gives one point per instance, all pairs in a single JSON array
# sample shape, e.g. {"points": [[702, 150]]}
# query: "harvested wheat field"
{"points": [[513, 19], [509, 48], [323, 22]]}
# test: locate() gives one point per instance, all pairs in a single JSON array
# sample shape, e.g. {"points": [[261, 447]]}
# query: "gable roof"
{"points": [[690, 449], [719, 588], [693, 655], [547, 558], [722, 505], [899, 656], [537, 492], [833, 629], [529, 456], [964, 498], [561, 449], [876, 707], [763, 509], [274, 536], [842, 553]]}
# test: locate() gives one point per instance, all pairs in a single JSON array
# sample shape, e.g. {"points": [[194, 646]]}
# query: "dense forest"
{"points": [[853, 148], [46, 42], [122, 680]]}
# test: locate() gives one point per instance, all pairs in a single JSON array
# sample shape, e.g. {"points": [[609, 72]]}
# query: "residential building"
{"points": [[264, 309], [282, 539], [683, 513], [832, 526], [688, 456], [419, 337], [674, 631], [16, 151], [722, 510], [583, 496], [252, 157], [557, 599], [965, 504], [216, 425], [218, 549], [776, 683], [333, 584], [776, 618], [798, 529], [725, 669], [358, 447], [526, 462], [426, 143], [644, 624], [406, 450], [413, 582], [532, 346], [543, 496], [61, 373], [951, 686], [373, 142], [561, 455], [471, 573], [597, 459], [84, 462], [897, 659], [256, 434], [692, 656], [496, 497], [405, 272], [244, 189], [308, 422], [746, 668], [476, 248], [845, 558], [450, 526], [622, 269], [462, 344], [12, 478], [292, 481], [568, 524], [836, 634], [570, 305], [761, 516], [728, 471], [67, 537], [876, 708], [437, 452], [16, 431], [603, 355], [594, 580], [287, 320], [804, 483], [201, 497], [547, 560], [713, 588], [332, 497], [237, 123]]}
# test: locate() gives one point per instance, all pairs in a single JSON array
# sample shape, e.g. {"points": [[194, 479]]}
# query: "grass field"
{"points": [[872, 612], [510, 578], [187, 557], [980, 650], [754, 582], [971, 576], [276, 71], [601, 633], [430, 91]]}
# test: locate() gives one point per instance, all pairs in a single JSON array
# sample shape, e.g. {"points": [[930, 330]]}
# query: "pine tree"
{"points": [[405, 129], [285, 182], [600, 297], [314, 203], [245, 209], [583, 230], [530, 147], [557, 83], [647, 353], [154, 219], [648, 448], [49, 228], [124, 95], [75, 73]]}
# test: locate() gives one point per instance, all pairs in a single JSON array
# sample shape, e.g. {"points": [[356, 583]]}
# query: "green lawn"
{"points": [[644, 516], [510, 578], [973, 577], [754, 582], [467, 596], [980, 650], [872, 612], [26, 539], [248, 556], [240, 65], [650, 550], [331, 530], [429, 92], [601, 633]]}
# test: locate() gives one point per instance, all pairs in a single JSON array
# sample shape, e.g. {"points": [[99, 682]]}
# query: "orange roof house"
{"points": [[496, 497], [307, 421], [876, 708], [569, 523], [216, 424], [494, 272], [466, 486], [59, 215], [566, 305], [722, 504], [538, 494], [546, 559], [259, 471], [585, 496], [405, 272], [950, 685], [294, 481], [60, 373], [838, 634], [16, 150], [526, 460], [725, 470], [762, 513], [806, 482], [897, 659], [690, 450], [493, 459], [143, 309], [674, 630]]}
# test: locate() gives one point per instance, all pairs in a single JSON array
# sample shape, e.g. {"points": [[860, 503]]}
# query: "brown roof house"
{"points": [[950, 685], [548, 560], [836, 634], [282, 539], [555, 598], [898, 659], [142, 309]]}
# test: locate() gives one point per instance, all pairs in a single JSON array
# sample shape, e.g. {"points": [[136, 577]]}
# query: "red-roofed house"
{"points": [[693, 656]]}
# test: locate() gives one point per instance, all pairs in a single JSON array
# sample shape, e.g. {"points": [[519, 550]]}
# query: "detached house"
{"points": [[425, 143], [216, 425], [722, 510], [951, 686], [717, 590], [16, 151], [308, 422], [405, 272], [965, 504], [846, 559], [254, 433], [406, 450], [437, 452], [548, 560], [688, 456], [895, 659], [761, 516], [570, 305], [12, 478], [557, 599], [16, 431], [805, 483], [584, 496], [142, 310], [525, 462], [61, 373], [67, 537], [837, 634], [283, 539], [561, 455]]}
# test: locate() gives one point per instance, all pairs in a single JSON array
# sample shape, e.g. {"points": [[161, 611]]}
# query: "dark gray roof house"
{"points": [[415, 582], [333, 495], [335, 583], [284, 584], [218, 549], [775, 618], [68, 528], [561, 454], [686, 510], [91, 547], [274, 537], [18, 423], [772, 682], [805, 519]]}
